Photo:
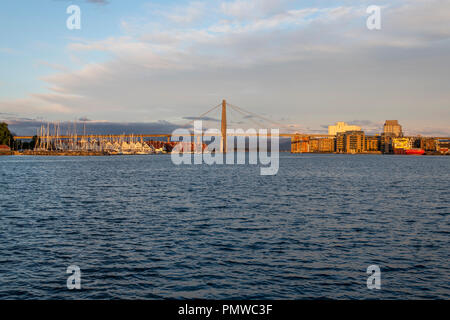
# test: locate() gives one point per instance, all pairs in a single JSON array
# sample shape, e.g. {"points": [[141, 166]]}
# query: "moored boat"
{"points": [[415, 151]]}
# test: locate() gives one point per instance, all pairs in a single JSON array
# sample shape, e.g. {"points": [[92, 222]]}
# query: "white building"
{"points": [[341, 127]]}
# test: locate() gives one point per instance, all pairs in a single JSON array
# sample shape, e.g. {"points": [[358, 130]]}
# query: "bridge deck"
{"points": [[284, 135]]}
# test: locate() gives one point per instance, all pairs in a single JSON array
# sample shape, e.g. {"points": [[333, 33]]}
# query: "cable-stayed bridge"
{"points": [[259, 122]]}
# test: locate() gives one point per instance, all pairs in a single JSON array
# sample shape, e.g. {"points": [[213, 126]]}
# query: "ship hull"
{"points": [[410, 152], [415, 152]]}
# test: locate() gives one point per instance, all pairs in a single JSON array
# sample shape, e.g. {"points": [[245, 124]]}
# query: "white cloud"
{"points": [[249, 9], [185, 15]]}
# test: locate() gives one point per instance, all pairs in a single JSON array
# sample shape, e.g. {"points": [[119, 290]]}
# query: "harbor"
{"points": [[342, 138]]}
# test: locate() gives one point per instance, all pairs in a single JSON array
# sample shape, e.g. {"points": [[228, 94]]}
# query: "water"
{"points": [[140, 227]]}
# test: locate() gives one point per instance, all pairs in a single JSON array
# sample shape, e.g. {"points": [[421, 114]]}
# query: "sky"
{"points": [[303, 64]]}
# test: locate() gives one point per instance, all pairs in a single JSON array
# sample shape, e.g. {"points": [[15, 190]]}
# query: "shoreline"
{"points": [[100, 153]]}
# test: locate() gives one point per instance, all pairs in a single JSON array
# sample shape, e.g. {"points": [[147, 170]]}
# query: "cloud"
{"points": [[99, 2], [310, 65], [7, 115], [248, 9], [25, 127], [368, 126], [202, 118], [34, 105], [185, 15], [430, 131], [180, 15]]}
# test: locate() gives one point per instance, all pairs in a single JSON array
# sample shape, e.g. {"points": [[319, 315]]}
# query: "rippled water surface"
{"points": [[141, 227]]}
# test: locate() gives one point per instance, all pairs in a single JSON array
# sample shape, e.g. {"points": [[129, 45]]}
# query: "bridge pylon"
{"points": [[224, 127]]}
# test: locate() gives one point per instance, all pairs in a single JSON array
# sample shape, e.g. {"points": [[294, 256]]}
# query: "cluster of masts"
{"points": [[50, 139]]}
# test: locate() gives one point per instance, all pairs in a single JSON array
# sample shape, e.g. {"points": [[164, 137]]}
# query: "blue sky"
{"points": [[34, 32], [304, 63]]}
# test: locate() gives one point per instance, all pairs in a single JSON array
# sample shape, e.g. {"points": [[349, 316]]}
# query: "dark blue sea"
{"points": [[140, 227]]}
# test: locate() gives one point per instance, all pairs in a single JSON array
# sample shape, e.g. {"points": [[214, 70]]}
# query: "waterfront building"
{"points": [[299, 144], [351, 142], [4, 148], [392, 129], [326, 145], [340, 143], [386, 143], [355, 141], [428, 144], [314, 145], [341, 127], [443, 146], [416, 142], [373, 143], [311, 145]]}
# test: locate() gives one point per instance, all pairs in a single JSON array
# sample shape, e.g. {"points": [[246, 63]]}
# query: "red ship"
{"points": [[415, 151], [404, 146]]}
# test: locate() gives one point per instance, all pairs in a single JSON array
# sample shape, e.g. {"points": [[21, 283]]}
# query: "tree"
{"points": [[34, 142], [6, 137]]}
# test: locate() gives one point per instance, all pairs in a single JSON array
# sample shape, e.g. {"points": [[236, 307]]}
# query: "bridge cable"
{"points": [[245, 115], [258, 116], [202, 115]]}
